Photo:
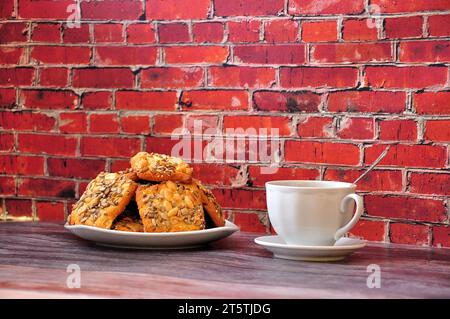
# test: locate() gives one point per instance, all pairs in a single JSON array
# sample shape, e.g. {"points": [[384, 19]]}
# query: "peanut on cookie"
{"points": [[159, 167], [105, 198], [170, 207]]}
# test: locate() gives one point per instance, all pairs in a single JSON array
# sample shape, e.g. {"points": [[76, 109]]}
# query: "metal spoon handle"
{"points": [[382, 155]]}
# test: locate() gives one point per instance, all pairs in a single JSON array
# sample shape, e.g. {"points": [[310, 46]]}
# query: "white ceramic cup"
{"points": [[312, 213]]}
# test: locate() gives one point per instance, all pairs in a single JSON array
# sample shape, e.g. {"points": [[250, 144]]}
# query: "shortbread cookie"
{"points": [[104, 199], [210, 204], [159, 167], [170, 207]]}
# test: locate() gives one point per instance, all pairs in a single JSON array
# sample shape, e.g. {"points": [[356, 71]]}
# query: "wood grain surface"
{"points": [[34, 258]]}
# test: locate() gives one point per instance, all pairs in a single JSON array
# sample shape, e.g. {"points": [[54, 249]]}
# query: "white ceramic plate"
{"points": [[175, 240], [341, 249]]}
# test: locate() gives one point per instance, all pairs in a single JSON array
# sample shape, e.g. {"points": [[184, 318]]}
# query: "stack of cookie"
{"points": [[157, 194]]}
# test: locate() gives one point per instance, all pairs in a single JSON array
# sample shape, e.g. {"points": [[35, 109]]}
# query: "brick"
{"points": [[403, 27], [7, 98], [75, 167], [286, 101], [97, 100], [26, 121], [241, 198], [16, 76], [372, 230], [367, 101], [45, 9], [409, 234], [141, 33], [109, 33], [48, 99], [256, 125], [258, 178], [44, 187], [441, 236], [77, 35], [356, 128], [439, 25], [134, 100], [6, 141], [359, 29], [437, 130], [319, 31], [196, 54], [311, 7], [430, 183], [47, 144], [111, 10], [177, 10], [208, 32], [103, 78], [135, 124], [352, 52], [432, 103], [13, 32], [313, 77], [398, 130], [251, 222], [163, 145], [167, 123], [389, 6], [54, 77], [226, 8], [61, 55], [19, 207], [6, 9], [215, 100], [109, 146], [426, 156], [50, 211], [119, 165], [271, 54], [237, 76], [201, 123], [321, 152], [104, 123], [312, 126], [405, 208], [73, 122], [406, 77], [173, 33], [215, 174], [12, 55], [125, 55], [424, 51], [46, 32], [243, 31], [375, 181], [281, 31], [172, 77], [22, 165], [7, 186]]}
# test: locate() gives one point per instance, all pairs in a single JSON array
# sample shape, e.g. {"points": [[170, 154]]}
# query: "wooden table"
{"points": [[34, 259]]}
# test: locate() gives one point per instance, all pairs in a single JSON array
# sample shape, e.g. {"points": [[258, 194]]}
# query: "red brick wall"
{"points": [[74, 101]]}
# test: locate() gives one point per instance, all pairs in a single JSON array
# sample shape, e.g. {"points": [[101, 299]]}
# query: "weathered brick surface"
{"points": [[337, 85]]}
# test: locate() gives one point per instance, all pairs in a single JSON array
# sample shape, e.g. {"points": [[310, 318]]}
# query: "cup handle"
{"points": [[359, 210]]}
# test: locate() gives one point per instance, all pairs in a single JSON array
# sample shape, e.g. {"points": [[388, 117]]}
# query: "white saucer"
{"points": [[340, 250], [175, 240]]}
